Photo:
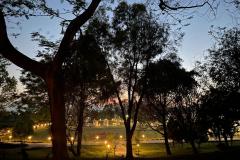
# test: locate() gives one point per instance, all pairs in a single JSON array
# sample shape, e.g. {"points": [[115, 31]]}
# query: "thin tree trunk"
{"points": [[165, 130], [225, 140], [219, 136], [80, 130], [219, 139], [57, 107], [194, 148], [167, 147]]}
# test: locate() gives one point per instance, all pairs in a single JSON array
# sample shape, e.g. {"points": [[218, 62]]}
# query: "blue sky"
{"points": [[193, 48]]}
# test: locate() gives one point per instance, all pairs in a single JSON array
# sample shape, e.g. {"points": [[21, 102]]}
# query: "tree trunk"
{"points": [[165, 134], [80, 130], [55, 87], [219, 136], [219, 139], [129, 152], [225, 140], [194, 148], [167, 147]]}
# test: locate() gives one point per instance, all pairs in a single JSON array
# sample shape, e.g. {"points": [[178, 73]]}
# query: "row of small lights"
{"points": [[108, 145], [105, 142], [97, 137], [71, 138], [41, 125], [30, 138]]}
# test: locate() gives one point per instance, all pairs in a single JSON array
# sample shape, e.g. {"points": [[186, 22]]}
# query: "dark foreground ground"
{"points": [[14, 152]]}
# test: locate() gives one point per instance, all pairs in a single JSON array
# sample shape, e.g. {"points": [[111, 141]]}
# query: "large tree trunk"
{"points": [[129, 152], [55, 87]]}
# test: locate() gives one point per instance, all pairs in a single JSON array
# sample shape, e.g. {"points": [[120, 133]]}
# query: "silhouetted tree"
{"points": [[35, 97], [164, 79], [85, 77], [223, 61], [51, 72], [222, 67], [137, 39], [7, 95], [186, 121], [221, 110], [7, 85]]}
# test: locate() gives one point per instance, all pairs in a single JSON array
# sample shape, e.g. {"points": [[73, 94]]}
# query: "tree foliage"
{"points": [[165, 79], [7, 85], [221, 110], [223, 61], [137, 39], [186, 123]]}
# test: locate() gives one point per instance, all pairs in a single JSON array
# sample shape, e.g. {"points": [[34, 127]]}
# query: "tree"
{"points": [[164, 79], [223, 61], [51, 72], [7, 85], [85, 77], [7, 95], [35, 97], [186, 121], [221, 110], [137, 39], [222, 67]]}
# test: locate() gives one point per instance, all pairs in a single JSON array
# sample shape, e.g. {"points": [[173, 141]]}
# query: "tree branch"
{"points": [[8, 51], [72, 29], [117, 93], [163, 6], [155, 129]]}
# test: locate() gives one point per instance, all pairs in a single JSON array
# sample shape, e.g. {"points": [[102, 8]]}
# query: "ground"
{"points": [[208, 151], [39, 147]]}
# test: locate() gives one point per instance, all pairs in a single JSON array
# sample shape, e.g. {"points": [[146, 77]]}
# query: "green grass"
{"points": [[89, 134], [104, 133], [95, 149], [147, 151]]}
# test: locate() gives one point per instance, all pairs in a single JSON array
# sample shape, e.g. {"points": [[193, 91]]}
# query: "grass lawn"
{"points": [[96, 149], [208, 151]]}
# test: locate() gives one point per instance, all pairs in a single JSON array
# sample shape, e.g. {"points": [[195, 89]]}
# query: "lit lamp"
{"points": [[138, 149], [120, 136], [8, 131], [108, 149], [29, 138], [143, 136], [97, 137], [105, 142], [72, 139], [9, 137], [49, 138]]}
